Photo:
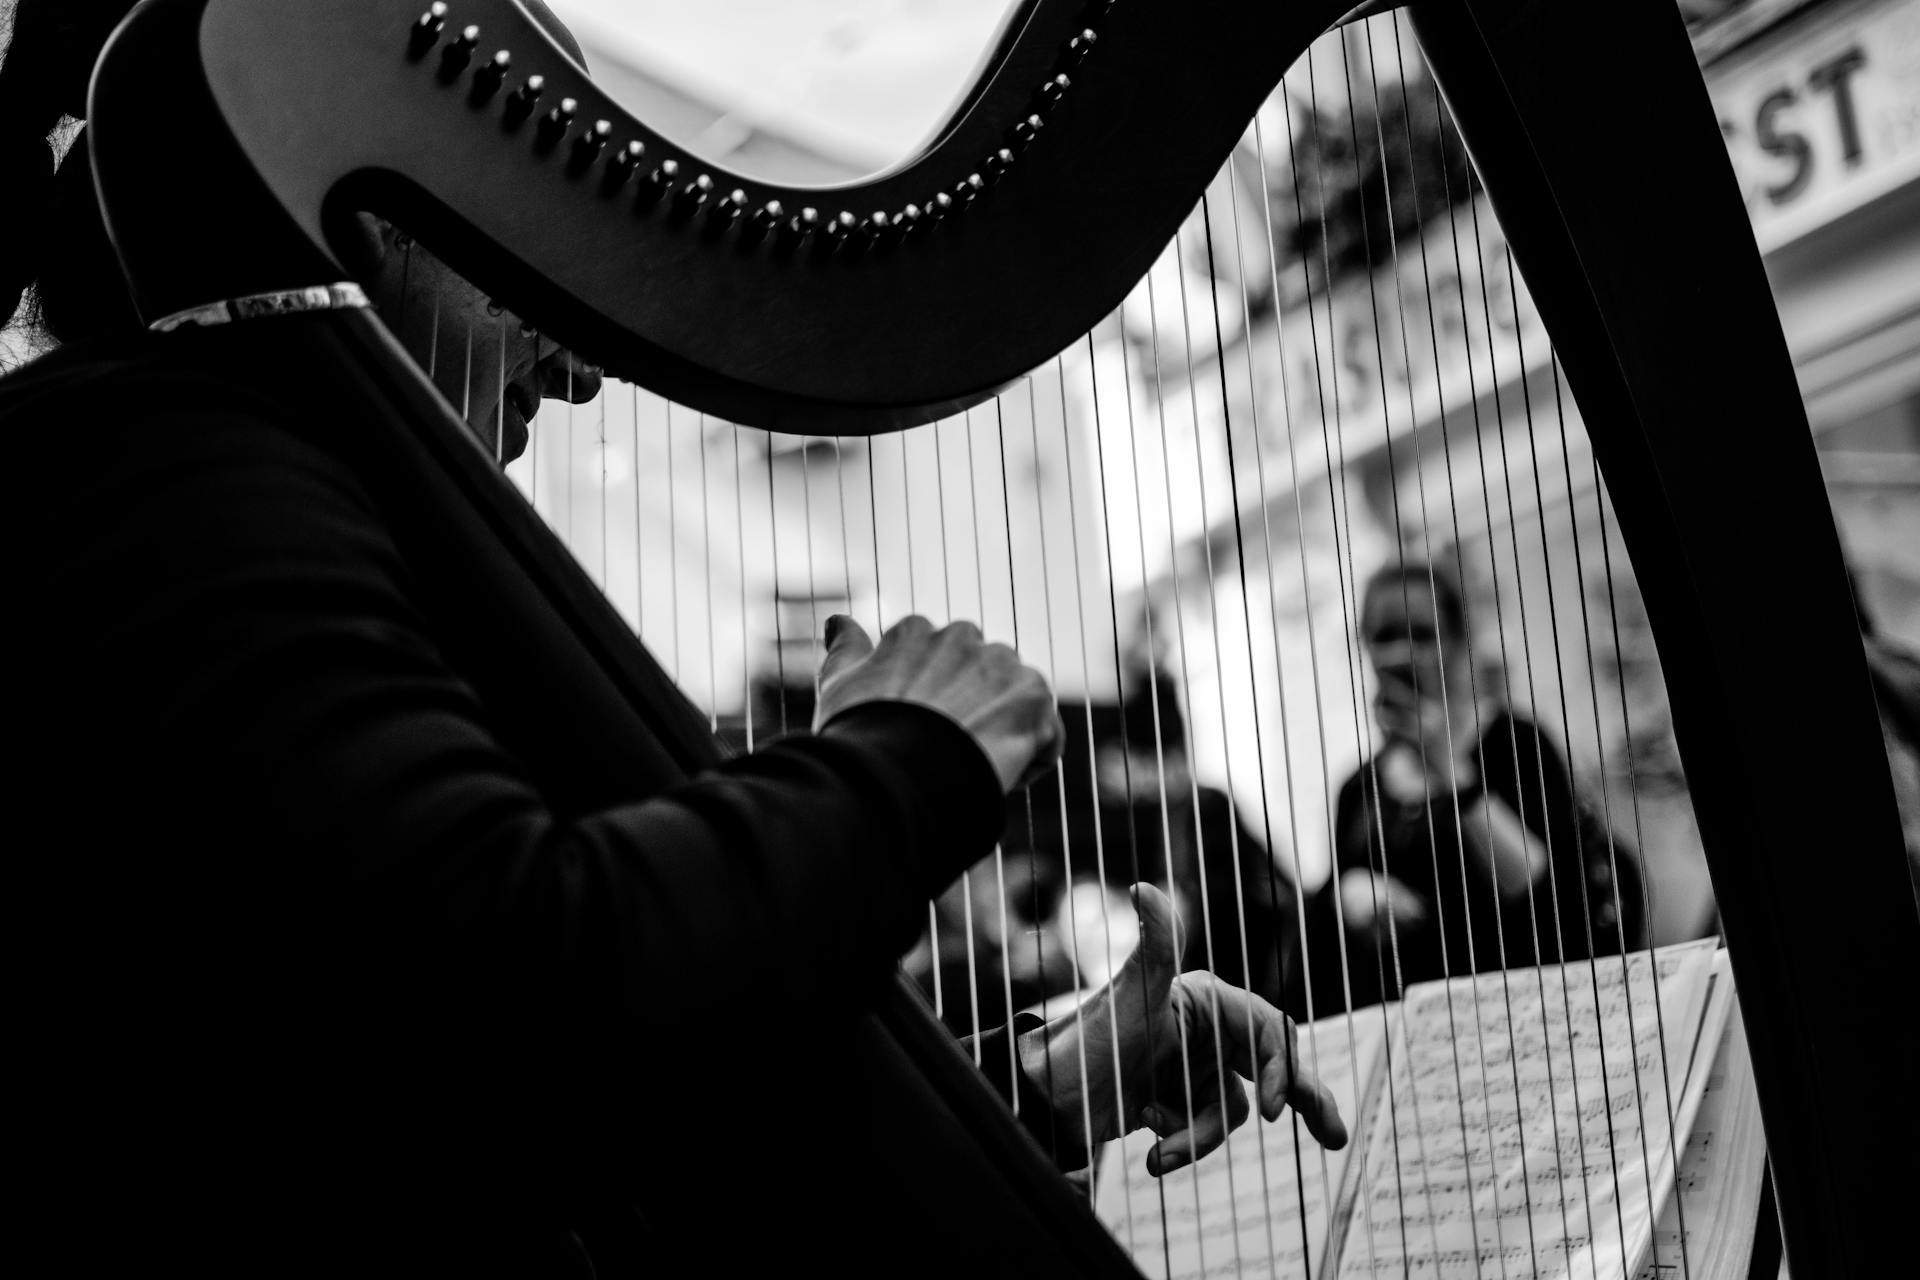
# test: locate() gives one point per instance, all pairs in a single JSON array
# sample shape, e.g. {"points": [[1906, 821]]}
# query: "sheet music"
{"points": [[1248, 1209], [1526, 1132], [1721, 1170]]}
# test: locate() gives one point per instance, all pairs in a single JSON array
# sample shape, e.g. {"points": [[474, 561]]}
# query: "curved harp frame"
{"points": [[871, 322]]}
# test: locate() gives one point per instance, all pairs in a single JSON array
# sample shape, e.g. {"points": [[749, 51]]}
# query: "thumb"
{"points": [[847, 644], [1157, 958]]}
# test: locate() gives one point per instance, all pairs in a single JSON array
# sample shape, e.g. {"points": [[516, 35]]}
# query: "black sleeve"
{"points": [[300, 726]]}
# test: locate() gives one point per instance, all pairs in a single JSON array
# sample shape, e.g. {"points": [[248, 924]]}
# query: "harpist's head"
{"points": [[59, 271]]}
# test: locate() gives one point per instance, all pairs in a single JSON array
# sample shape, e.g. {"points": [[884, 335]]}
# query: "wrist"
{"points": [[1050, 1095]]}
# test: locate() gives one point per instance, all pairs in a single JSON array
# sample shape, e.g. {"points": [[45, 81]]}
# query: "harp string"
{"points": [[706, 547], [1214, 627], [773, 556], [1360, 1138], [1035, 911], [1560, 422], [1639, 835], [1466, 896], [1473, 401], [999, 854], [639, 555], [600, 459], [1559, 672], [1425, 526], [1272, 857], [500, 407], [1500, 631], [913, 606], [873, 514], [1286, 732], [1060, 780], [536, 440], [572, 465], [1546, 811], [1160, 763], [1333, 443], [1420, 1128], [1099, 839], [746, 638], [966, 877]]}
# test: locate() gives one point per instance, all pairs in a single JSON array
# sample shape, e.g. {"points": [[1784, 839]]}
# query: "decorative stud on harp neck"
{"points": [[724, 214], [455, 57], [426, 31], [656, 183], [488, 79], [521, 102], [588, 146], [623, 164], [762, 223], [688, 199], [554, 125], [795, 230]]}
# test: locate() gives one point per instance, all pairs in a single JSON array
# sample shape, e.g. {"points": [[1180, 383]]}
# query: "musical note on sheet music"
{"points": [[1526, 1129]]}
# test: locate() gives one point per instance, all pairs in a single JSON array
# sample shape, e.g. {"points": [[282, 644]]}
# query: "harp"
{"points": [[733, 298]]}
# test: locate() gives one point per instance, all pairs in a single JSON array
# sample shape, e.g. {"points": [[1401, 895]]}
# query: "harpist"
{"points": [[339, 964]]}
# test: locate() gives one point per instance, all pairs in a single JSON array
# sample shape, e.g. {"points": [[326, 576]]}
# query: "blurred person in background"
{"points": [[1461, 845], [1236, 900]]}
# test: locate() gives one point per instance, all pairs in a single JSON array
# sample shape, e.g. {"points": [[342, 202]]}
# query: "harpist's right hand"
{"points": [[984, 688]]}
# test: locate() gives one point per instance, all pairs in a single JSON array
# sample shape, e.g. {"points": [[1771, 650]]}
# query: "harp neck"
{"points": [[1039, 204]]}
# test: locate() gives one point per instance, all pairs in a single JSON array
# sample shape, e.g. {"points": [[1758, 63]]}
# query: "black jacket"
{"points": [[356, 939]]}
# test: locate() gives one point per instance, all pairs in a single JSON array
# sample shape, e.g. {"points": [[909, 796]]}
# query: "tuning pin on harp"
{"points": [[1021, 136], [425, 32], [725, 213], [554, 124], [622, 165], [455, 57], [1051, 93], [689, 199], [905, 223], [795, 230], [967, 190], [1078, 48], [876, 231], [521, 102], [588, 146], [937, 210], [761, 224], [657, 182], [488, 79], [841, 232]]}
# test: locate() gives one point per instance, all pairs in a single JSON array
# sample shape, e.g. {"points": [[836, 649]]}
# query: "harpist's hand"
{"points": [[1170, 1030], [984, 688]]}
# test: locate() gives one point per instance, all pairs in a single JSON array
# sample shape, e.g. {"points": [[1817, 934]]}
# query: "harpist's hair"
{"points": [[50, 230]]}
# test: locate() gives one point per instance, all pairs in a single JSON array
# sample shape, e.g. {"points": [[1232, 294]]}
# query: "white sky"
{"points": [[866, 78]]}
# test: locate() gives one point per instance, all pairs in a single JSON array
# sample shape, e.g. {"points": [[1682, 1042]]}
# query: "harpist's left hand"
{"points": [[1171, 1032]]}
